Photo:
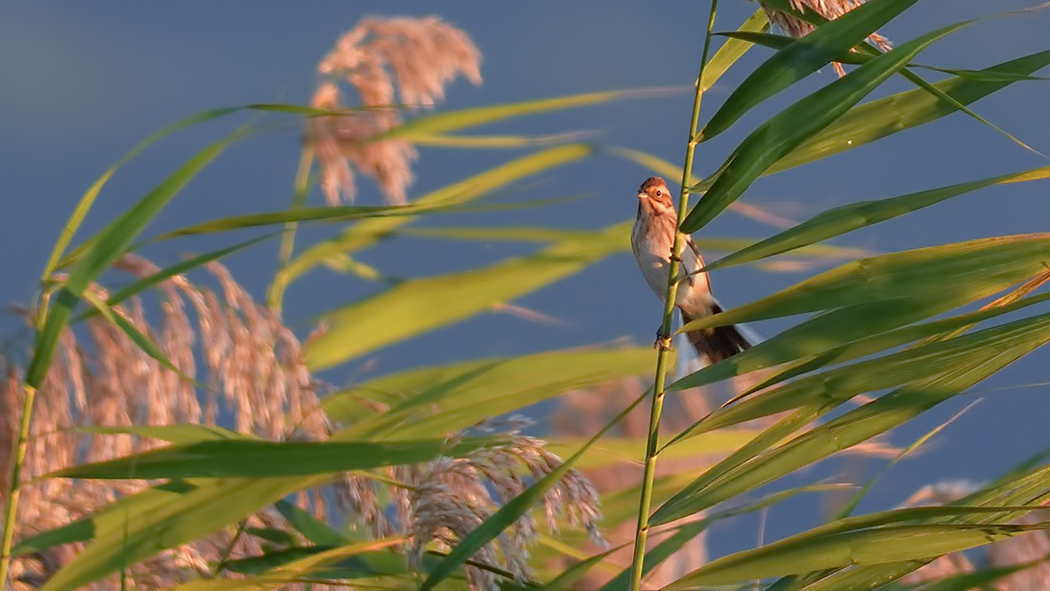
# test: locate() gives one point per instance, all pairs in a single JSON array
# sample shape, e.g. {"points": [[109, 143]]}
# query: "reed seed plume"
{"points": [[829, 9], [451, 497], [254, 377], [385, 61]]}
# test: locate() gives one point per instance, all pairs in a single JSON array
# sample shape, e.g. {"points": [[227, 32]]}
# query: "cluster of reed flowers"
{"points": [[451, 497], [255, 373], [418, 58], [255, 379], [101, 378]]}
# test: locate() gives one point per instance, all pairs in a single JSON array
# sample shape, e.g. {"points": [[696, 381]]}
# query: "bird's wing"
{"points": [[691, 259]]}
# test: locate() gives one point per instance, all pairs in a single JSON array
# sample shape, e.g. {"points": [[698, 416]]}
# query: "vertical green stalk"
{"points": [[664, 339], [18, 457]]}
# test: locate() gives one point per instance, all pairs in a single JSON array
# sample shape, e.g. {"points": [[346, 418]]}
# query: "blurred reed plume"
{"points": [[105, 379], [451, 497], [417, 56], [255, 379], [829, 9]]}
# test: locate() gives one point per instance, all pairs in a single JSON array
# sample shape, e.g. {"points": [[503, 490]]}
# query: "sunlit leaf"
{"points": [[498, 141], [312, 528], [435, 401], [88, 199], [439, 123], [367, 232], [688, 532], [419, 305], [160, 519]]}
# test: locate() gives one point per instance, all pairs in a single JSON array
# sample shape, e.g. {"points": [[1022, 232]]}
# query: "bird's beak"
{"points": [[642, 195]]}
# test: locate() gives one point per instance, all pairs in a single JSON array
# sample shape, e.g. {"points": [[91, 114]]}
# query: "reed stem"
{"points": [[664, 343]]}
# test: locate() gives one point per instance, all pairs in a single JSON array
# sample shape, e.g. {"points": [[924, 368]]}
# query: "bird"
{"points": [[652, 238]]}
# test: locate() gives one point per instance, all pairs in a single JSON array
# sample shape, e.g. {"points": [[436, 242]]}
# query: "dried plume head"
{"points": [[383, 60]]}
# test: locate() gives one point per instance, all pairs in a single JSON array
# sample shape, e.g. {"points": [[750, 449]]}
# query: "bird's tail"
{"points": [[718, 343]]}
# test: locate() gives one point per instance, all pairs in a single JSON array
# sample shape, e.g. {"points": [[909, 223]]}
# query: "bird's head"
{"points": [[655, 190]]}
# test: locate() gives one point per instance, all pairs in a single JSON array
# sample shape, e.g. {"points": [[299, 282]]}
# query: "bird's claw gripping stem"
{"points": [[663, 340]]}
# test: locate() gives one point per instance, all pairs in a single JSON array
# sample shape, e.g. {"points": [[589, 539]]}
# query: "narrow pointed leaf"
{"points": [[312, 528], [803, 57], [249, 457], [181, 433], [141, 340], [1017, 339], [1025, 485], [498, 141], [873, 375], [441, 400], [367, 232], [106, 248], [568, 577], [883, 117], [732, 50], [937, 330], [179, 268], [789, 129], [421, 305], [513, 510], [88, 199], [688, 532], [495, 233], [875, 546], [819, 337], [96, 524], [429, 125], [621, 450], [847, 218], [298, 214], [972, 269], [294, 571], [160, 519]]}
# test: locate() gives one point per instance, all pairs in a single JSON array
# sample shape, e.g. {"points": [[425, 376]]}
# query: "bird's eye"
{"points": [[659, 193]]}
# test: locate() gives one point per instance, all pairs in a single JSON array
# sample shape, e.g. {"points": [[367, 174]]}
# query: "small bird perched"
{"points": [[651, 239]]}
